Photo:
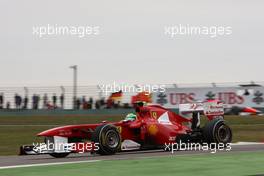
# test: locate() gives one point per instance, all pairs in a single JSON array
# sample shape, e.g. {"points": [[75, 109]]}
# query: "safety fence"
{"points": [[61, 97]]}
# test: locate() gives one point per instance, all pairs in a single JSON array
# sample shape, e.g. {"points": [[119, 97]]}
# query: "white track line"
{"points": [[48, 164], [90, 161], [247, 143]]}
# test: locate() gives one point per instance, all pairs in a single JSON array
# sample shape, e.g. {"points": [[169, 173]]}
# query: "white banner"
{"points": [[231, 96]]}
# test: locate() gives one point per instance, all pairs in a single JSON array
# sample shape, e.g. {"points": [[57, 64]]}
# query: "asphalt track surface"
{"points": [[13, 161]]}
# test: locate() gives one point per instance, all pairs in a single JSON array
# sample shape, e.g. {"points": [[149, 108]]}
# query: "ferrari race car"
{"points": [[152, 127], [242, 111]]}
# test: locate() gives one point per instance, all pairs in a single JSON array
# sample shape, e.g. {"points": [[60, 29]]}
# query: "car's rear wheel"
{"points": [[108, 138], [217, 131]]}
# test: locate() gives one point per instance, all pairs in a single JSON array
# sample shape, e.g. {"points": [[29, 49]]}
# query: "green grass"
{"points": [[247, 163], [12, 137]]}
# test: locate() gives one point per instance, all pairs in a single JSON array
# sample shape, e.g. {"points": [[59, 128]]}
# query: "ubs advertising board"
{"points": [[231, 96]]}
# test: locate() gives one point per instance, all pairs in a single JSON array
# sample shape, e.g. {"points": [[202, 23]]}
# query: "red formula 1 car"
{"points": [[153, 127]]}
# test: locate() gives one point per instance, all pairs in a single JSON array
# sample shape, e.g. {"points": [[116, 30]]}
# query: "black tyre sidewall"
{"points": [[211, 129], [59, 155], [99, 137]]}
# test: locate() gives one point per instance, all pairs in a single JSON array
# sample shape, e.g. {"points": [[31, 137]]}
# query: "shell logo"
{"points": [[153, 129]]}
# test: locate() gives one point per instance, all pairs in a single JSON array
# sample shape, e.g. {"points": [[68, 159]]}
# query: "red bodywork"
{"points": [[154, 125], [250, 110]]}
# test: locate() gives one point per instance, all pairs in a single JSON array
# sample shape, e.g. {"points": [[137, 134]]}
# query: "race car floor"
{"points": [[29, 160]]}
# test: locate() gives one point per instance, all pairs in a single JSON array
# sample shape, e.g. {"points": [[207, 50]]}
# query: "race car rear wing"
{"points": [[208, 108]]}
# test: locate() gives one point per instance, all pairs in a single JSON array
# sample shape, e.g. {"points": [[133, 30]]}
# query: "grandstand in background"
{"points": [[93, 91]]}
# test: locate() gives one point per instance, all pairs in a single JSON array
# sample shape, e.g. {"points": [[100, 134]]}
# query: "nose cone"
{"points": [[46, 133], [250, 110], [52, 132]]}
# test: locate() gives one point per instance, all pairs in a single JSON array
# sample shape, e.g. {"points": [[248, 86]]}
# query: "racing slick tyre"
{"points": [[217, 131], [108, 138], [59, 155]]}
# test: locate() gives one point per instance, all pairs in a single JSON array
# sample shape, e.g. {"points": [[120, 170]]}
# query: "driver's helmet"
{"points": [[131, 117]]}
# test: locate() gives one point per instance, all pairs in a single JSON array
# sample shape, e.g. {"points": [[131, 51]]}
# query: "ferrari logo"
{"points": [[154, 115], [119, 129], [153, 129]]}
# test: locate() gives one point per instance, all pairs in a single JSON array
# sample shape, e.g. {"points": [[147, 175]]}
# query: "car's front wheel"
{"points": [[55, 154], [59, 155], [108, 138]]}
